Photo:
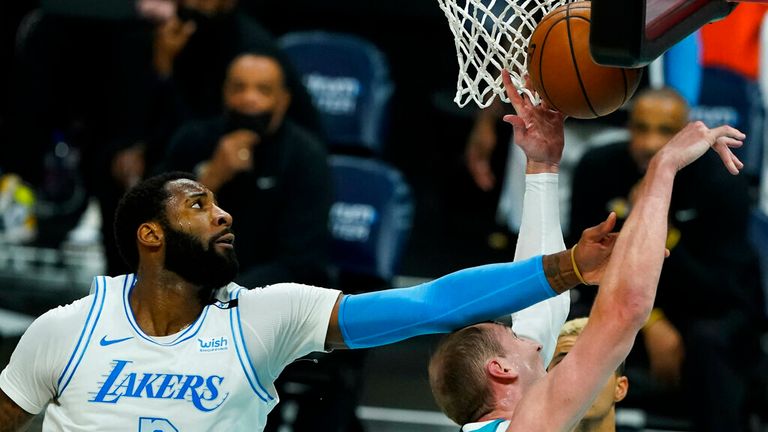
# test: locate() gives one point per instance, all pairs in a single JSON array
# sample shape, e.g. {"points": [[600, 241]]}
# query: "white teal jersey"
{"points": [[100, 371], [499, 425]]}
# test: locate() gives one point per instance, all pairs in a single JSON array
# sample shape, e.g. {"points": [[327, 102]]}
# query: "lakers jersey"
{"points": [[100, 371]]}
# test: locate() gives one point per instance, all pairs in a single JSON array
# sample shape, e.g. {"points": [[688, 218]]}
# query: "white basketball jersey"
{"points": [[206, 377]]}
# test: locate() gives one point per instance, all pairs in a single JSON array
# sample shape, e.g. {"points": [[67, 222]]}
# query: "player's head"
{"points": [[474, 367], [175, 220], [614, 390], [255, 93], [656, 116]]}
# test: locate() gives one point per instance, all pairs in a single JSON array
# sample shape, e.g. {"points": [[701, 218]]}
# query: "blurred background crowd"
{"points": [[328, 130]]}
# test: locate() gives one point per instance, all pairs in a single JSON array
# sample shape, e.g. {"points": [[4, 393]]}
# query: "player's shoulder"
{"points": [[280, 289], [63, 318], [63, 322], [275, 294]]}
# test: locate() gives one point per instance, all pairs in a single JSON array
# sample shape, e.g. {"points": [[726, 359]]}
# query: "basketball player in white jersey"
{"points": [[176, 346], [488, 379]]}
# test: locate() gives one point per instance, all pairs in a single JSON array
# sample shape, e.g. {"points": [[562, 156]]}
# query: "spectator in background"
{"points": [[181, 67], [704, 331], [266, 170], [114, 89]]}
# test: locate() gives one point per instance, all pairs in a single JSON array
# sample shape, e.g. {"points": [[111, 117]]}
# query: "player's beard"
{"points": [[186, 256]]}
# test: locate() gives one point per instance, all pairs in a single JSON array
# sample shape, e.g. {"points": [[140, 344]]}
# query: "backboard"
{"points": [[632, 33]]}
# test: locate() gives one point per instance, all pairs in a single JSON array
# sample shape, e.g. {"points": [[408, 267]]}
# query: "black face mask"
{"points": [[256, 123]]}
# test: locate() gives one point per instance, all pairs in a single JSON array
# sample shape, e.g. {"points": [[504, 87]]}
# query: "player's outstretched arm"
{"points": [[539, 132], [627, 289], [466, 297], [12, 417]]}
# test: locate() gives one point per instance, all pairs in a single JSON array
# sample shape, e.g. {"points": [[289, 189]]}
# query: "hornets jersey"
{"points": [[499, 425], [92, 368]]}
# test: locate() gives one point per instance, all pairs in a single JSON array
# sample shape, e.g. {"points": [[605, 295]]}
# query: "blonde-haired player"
{"points": [[601, 416]]}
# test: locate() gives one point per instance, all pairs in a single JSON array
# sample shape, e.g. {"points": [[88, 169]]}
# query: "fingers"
{"points": [[666, 253], [515, 121], [730, 142], [729, 132], [512, 94], [731, 162], [601, 231], [608, 224], [545, 105], [727, 137], [737, 162]]}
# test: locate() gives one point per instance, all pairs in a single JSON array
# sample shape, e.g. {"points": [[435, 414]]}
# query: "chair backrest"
{"points": [[348, 79], [370, 218]]}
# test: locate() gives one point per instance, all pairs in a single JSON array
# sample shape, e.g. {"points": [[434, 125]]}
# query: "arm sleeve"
{"points": [[30, 378], [286, 321], [540, 233], [462, 298]]}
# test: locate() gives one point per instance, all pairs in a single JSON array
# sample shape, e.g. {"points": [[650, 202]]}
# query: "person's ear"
{"points": [[622, 386], [150, 234], [499, 370]]}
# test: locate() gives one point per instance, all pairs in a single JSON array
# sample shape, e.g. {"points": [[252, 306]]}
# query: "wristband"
{"points": [[575, 267]]}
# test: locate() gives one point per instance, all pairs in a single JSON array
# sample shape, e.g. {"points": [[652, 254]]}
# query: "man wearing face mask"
{"points": [[265, 168], [172, 74]]}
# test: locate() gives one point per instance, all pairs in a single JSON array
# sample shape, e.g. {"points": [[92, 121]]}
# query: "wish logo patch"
{"points": [[213, 344]]}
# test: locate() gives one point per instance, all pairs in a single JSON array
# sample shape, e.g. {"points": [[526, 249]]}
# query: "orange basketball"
{"points": [[562, 70]]}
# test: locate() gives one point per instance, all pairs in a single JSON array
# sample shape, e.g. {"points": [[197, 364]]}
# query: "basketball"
{"points": [[562, 70]]}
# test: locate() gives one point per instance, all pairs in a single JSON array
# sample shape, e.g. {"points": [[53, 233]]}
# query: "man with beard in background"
{"points": [[172, 73], [253, 151], [178, 346]]}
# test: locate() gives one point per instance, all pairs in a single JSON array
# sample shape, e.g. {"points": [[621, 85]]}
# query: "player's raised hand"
{"points": [[538, 128], [594, 248], [696, 138]]}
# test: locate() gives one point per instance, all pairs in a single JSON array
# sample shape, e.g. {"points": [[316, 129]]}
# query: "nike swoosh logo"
{"points": [[104, 341]]}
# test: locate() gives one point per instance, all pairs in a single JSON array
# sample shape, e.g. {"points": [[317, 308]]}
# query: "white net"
{"points": [[491, 35]]}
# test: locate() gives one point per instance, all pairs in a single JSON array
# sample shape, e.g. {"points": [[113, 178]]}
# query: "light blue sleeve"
{"points": [[459, 299]]}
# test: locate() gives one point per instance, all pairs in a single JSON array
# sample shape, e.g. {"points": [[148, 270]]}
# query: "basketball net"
{"points": [[491, 35]]}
